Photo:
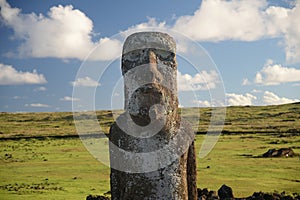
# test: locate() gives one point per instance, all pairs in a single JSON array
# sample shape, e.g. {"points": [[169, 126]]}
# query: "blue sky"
{"points": [[253, 46]]}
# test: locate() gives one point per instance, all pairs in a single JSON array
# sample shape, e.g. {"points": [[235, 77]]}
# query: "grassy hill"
{"points": [[41, 156], [239, 119]]}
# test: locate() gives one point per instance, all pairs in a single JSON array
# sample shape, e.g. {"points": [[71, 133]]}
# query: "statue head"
{"points": [[149, 68]]}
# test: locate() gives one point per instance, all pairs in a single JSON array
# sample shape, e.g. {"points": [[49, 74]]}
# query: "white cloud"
{"points": [[18, 97], [274, 74], [203, 103], [67, 32], [292, 35], [256, 91], [217, 20], [201, 81], [67, 98], [116, 94], [239, 99], [247, 20], [10, 76], [64, 33], [270, 98], [40, 89], [267, 98], [262, 98], [246, 82], [106, 49], [85, 82], [151, 24], [37, 105]]}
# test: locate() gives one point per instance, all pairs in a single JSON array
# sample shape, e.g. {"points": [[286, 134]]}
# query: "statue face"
{"points": [[149, 68], [150, 80]]}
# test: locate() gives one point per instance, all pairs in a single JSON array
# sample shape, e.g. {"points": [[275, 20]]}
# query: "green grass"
{"points": [[64, 169], [235, 161], [239, 119], [33, 167], [60, 168]]}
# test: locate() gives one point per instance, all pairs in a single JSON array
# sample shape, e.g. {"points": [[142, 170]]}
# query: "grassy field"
{"points": [[35, 167], [250, 119]]}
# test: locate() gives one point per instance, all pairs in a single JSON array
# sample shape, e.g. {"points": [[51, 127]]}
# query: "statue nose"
{"points": [[152, 57], [153, 74]]}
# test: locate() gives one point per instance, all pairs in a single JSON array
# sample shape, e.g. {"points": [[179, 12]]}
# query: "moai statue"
{"points": [[152, 152]]}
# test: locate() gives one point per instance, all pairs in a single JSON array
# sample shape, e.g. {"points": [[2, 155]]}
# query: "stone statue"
{"points": [[152, 152]]}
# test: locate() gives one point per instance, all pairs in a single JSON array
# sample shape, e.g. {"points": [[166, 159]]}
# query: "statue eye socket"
{"points": [[133, 55], [164, 55]]}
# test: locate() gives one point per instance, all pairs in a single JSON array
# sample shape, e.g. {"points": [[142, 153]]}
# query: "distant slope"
{"points": [[279, 119], [258, 119]]}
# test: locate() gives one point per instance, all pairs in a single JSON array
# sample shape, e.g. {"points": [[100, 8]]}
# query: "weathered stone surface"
{"points": [[225, 192], [205, 194], [97, 197], [151, 149], [282, 152]]}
